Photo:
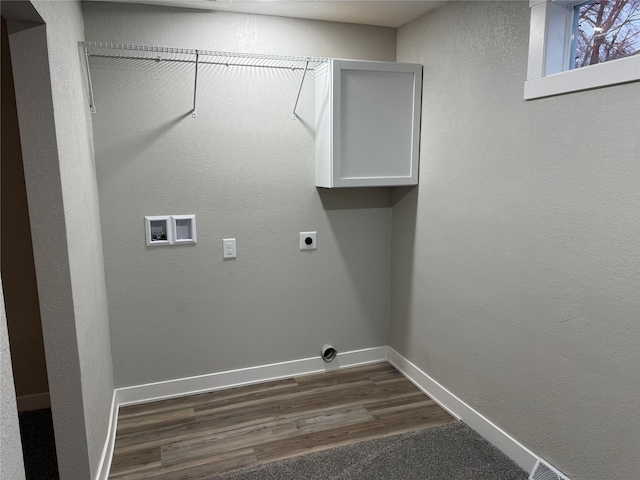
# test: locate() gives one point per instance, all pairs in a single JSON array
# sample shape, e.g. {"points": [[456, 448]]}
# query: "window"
{"points": [[604, 30], [581, 45]]}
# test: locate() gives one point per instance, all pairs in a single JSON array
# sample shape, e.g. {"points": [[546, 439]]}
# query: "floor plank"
{"points": [[217, 432]]}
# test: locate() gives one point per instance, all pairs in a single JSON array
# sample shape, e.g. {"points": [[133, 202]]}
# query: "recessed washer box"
{"points": [[184, 228], [170, 229], [158, 230]]}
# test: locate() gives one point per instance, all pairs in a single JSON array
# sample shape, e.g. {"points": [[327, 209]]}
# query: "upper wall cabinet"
{"points": [[367, 123]]}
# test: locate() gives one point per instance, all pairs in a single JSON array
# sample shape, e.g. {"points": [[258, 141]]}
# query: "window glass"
{"points": [[605, 30]]}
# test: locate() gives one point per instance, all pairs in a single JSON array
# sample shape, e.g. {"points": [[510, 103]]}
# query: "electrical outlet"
{"points": [[229, 248], [308, 241]]}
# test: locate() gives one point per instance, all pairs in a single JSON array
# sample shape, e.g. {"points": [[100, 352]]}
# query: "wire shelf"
{"points": [[197, 57], [188, 55]]}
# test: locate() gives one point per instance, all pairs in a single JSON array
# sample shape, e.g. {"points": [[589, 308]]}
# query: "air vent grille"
{"points": [[543, 471]]}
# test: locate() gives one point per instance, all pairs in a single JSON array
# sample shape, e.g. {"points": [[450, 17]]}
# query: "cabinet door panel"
{"points": [[376, 124]]}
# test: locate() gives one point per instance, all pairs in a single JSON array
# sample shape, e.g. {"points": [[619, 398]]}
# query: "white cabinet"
{"points": [[367, 123]]}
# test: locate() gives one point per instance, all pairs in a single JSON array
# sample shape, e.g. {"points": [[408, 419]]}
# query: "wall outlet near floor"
{"points": [[308, 241]]}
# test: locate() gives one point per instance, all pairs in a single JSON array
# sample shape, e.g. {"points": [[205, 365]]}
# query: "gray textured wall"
{"points": [[247, 171], [515, 261], [11, 463], [84, 238], [55, 129]]}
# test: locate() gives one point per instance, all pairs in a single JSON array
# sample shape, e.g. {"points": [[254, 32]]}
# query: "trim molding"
{"points": [[37, 401], [245, 376], [107, 452], [461, 410]]}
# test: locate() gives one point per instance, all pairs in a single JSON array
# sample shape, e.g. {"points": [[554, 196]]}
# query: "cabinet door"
{"points": [[375, 127]]}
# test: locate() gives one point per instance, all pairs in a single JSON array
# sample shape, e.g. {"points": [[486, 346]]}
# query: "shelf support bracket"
{"points": [[194, 112], [92, 104], [293, 113]]}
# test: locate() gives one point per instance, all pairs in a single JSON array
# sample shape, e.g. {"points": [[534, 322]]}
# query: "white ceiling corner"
{"points": [[386, 13]]}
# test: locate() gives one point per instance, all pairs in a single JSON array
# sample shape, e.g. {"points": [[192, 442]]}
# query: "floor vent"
{"points": [[543, 471]]}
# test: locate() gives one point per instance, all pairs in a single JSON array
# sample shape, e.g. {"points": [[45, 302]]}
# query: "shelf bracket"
{"points": [[194, 112], [293, 113], [92, 104]]}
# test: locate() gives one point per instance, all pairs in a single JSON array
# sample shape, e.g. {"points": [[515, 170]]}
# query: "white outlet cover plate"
{"points": [[314, 238], [228, 248]]}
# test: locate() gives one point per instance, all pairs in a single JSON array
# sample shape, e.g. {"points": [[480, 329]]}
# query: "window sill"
{"points": [[547, 74], [623, 70]]}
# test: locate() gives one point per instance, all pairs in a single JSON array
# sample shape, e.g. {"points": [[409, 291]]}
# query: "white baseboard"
{"points": [[245, 376], [107, 452], [458, 408], [37, 401]]}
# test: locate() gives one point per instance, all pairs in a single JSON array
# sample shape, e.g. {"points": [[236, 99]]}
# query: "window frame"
{"points": [[550, 41]]}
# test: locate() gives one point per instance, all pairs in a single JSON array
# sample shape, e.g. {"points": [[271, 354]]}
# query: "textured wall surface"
{"points": [[515, 262], [84, 237], [62, 193], [247, 171], [46, 212], [11, 463]]}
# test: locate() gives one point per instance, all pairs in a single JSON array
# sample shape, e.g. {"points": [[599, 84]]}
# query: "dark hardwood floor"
{"points": [[199, 436]]}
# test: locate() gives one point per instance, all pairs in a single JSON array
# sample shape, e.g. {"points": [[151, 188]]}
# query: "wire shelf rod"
{"points": [[195, 88], [304, 74], [92, 104]]}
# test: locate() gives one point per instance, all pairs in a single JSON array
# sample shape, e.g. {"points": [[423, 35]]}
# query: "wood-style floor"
{"points": [[211, 433]]}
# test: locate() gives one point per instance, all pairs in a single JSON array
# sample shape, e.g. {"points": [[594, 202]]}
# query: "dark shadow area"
{"points": [[360, 224], [128, 148], [359, 197], [38, 445], [403, 244]]}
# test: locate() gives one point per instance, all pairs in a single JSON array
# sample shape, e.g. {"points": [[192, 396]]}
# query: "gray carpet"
{"points": [[449, 452]]}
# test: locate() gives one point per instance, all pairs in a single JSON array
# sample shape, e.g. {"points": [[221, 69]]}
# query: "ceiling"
{"points": [[386, 13]]}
